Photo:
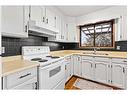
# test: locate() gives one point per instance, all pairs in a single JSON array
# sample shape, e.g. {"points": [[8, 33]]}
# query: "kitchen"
{"points": [[64, 47]]}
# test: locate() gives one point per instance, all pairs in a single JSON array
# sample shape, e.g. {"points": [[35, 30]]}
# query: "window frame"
{"points": [[94, 24]]}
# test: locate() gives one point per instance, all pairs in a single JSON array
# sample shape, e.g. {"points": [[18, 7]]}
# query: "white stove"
{"points": [[39, 54], [52, 68]]}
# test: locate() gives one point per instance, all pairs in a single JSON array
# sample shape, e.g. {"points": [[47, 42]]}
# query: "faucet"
{"points": [[95, 50]]}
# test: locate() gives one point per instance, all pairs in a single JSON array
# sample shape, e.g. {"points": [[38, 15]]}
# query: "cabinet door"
{"points": [[101, 72], [118, 75], [87, 69], [123, 29], [68, 70], [36, 15], [125, 77], [71, 31], [50, 19], [13, 23], [77, 65]]}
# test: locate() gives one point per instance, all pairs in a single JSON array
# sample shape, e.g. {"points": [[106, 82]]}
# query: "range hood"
{"points": [[41, 30]]}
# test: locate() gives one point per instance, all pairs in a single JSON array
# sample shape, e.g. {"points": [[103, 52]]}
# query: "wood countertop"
{"points": [[15, 63]]}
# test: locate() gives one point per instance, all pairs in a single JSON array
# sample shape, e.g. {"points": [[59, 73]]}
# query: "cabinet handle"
{"points": [[125, 61], [65, 67], [95, 65], [111, 66], [47, 21], [43, 19], [36, 85], [91, 65], [25, 75], [25, 28], [78, 59], [123, 70], [55, 18]]}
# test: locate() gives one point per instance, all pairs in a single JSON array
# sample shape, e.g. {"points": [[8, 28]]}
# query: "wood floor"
{"points": [[69, 84]]}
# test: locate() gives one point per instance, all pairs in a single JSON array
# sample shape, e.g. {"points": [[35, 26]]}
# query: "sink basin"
{"points": [[92, 53]]}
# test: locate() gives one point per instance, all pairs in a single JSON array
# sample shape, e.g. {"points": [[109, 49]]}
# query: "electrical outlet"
{"points": [[118, 47], [3, 49]]}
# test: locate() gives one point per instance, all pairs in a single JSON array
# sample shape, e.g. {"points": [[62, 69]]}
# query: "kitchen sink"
{"points": [[92, 53]]}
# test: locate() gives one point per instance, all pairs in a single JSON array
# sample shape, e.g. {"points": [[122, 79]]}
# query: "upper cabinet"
{"points": [[71, 32], [123, 28], [14, 22], [43, 17]]}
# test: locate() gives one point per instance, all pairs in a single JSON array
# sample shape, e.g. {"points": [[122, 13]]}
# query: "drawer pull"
{"points": [[25, 75], [125, 61]]}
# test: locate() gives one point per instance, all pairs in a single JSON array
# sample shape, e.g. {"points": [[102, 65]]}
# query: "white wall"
{"points": [[104, 14]]}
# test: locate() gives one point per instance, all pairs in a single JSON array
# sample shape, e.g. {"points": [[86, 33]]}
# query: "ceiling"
{"points": [[75, 11]]}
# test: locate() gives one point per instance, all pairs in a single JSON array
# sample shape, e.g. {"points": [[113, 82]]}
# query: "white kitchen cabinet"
{"points": [[123, 28], [68, 68], [87, 69], [126, 76], [101, 72], [44, 18], [50, 18], [71, 32], [26, 79], [118, 75], [77, 65], [37, 15], [14, 24]]}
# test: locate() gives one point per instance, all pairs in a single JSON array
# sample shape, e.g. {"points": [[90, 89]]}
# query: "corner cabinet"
{"points": [[14, 22]]}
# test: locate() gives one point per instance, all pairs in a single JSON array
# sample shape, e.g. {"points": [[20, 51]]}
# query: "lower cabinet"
{"points": [[118, 75], [87, 69], [77, 65], [111, 71], [26, 79], [68, 68], [101, 72]]}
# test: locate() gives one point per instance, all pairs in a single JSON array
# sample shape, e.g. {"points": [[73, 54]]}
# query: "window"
{"points": [[97, 35]]}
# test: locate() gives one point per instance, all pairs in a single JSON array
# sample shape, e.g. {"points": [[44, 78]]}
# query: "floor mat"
{"points": [[85, 84]]}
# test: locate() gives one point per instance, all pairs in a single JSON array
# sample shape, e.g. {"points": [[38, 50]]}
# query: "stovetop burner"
{"points": [[36, 59], [53, 56], [43, 60]]}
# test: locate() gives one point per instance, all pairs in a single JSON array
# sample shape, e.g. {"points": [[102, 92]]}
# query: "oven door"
{"points": [[52, 75]]}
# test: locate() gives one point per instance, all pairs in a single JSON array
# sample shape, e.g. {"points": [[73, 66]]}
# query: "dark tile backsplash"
{"points": [[13, 45]]}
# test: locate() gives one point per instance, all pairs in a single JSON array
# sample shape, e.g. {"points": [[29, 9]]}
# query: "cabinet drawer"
{"points": [[119, 60], [102, 59], [20, 77], [87, 58]]}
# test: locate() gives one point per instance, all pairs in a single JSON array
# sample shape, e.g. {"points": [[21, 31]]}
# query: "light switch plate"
{"points": [[118, 47], [3, 49]]}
